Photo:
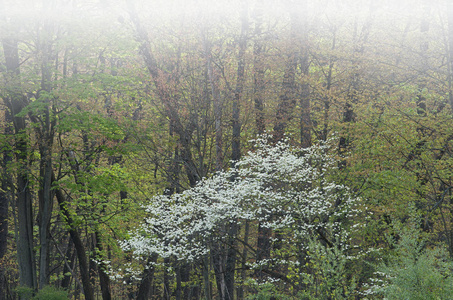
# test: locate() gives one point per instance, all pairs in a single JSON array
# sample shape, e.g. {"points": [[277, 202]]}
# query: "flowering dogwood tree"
{"points": [[285, 189]]}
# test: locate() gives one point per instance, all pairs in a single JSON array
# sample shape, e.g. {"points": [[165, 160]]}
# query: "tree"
{"points": [[291, 185]]}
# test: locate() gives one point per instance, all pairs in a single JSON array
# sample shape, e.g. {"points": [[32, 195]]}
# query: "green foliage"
{"points": [[327, 276], [266, 291], [46, 293], [51, 293], [416, 271], [24, 292]]}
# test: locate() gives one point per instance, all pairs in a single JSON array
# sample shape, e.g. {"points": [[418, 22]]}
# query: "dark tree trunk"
{"points": [[213, 80], [78, 244], [206, 280], [15, 102], [166, 280], [258, 70], [450, 52], [287, 98], [328, 85], [5, 196], [230, 266], [144, 289], [219, 268], [304, 88], [70, 257], [45, 133], [236, 139], [240, 290], [230, 263], [263, 247], [104, 279], [359, 40]]}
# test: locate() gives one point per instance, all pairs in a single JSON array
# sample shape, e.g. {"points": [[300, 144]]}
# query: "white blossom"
{"points": [[291, 185]]}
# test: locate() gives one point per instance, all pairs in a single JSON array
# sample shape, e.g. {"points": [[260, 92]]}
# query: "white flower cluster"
{"points": [[281, 187]]}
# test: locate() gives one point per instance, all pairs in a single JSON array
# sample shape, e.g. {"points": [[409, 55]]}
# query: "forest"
{"points": [[230, 150]]}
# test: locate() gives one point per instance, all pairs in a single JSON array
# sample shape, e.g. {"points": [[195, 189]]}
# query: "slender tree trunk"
{"points": [[147, 279], [166, 280], [45, 133], [15, 102], [219, 269], [240, 291], [258, 70], [218, 251], [70, 257], [450, 52], [206, 281], [287, 98], [5, 196], [263, 243], [236, 139], [328, 85], [104, 279], [45, 202], [304, 89], [236, 150], [213, 82], [78, 244], [359, 41]]}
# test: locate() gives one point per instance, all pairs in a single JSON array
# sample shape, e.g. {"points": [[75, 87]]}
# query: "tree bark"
{"points": [[104, 279], [213, 79], [5, 196], [450, 52], [359, 41], [263, 243], [287, 98], [45, 134], [78, 244], [16, 102], [236, 138], [70, 257], [304, 88], [147, 279], [258, 70]]}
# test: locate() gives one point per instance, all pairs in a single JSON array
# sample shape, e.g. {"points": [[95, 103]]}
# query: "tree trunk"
{"points": [[206, 280], [147, 279], [240, 291], [219, 269], [287, 98], [450, 52], [45, 133], [78, 244], [5, 196], [263, 247], [213, 79], [258, 70], [70, 257], [104, 279], [15, 102], [304, 88], [236, 139], [359, 41]]}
